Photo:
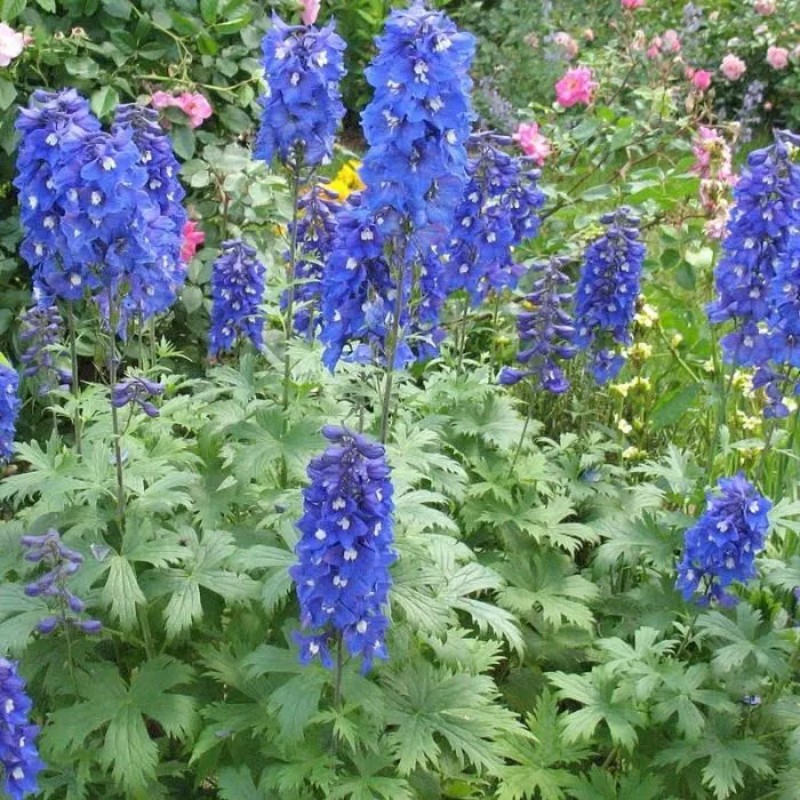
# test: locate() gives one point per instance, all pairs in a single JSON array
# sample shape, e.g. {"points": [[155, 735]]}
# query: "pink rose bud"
{"points": [[671, 42], [732, 67], [778, 57], [701, 79], [576, 86], [563, 40], [193, 237], [766, 8], [632, 5], [310, 11]]}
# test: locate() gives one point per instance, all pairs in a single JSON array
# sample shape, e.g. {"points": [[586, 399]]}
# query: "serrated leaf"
{"points": [[121, 592]]}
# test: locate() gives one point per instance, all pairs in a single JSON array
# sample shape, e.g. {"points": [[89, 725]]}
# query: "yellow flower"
{"points": [[641, 383], [640, 351], [647, 315], [676, 340], [621, 389], [743, 381], [347, 180], [633, 453]]}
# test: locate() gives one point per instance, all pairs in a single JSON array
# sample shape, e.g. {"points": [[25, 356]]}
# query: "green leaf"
{"points": [[121, 592], [673, 405], [297, 701], [208, 11], [104, 101], [11, 9], [82, 67], [8, 94], [236, 783], [120, 9], [183, 141]]}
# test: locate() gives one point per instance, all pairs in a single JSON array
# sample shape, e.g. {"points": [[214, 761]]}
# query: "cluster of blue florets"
{"points": [[345, 549], [237, 289], [497, 212], [605, 299], [303, 106], [316, 229], [100, 209], [721, 546], [62, 563], [9, 409], [137, 390], [18, 753], [546, 330], [41, 333]]}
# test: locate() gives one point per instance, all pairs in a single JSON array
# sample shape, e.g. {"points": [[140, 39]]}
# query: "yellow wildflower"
{"points": [[347, 180]]}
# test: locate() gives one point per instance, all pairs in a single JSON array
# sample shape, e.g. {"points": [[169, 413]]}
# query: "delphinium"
{"points": [[237, 289], [345, 551], [41, 333], [721, 546], [416, 127], [18, 752], [750, 113], [9, 409], [137, 390], [62, 562], [314, 235], [760, 242], [605, 298], [545, 330]]}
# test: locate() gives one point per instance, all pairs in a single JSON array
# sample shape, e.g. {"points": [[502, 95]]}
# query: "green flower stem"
{"points": [[76, 383]]}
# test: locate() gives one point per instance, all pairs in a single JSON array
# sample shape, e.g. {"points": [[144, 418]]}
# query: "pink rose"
{"points": [[765, 8], [778, 57], [732, 67], [162, 100], [671, 42], [193, 237], [701, 79], [654, 49], [310, 11], [632, 5], [11, 44], [532, 143], [196, 107], [563, 40], [576, 86]]}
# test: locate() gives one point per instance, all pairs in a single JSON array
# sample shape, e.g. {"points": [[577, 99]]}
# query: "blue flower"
{"points": [[546, 330], [605, 299], [721, 546], [136, 390], [41, 334], [9, 409], [237, 289], [345, 549], [418, 120], [302, 106], [62, 563], [750, 291], [18, 753]]}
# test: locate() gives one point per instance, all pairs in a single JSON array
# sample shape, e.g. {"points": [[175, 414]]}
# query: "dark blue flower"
{"points": [[721, 546], [137, 390], [9, 409], [237, 289], [545, 330], [302, 106], [18, 752], [345, 549], [605, 299], [62, 562], [41, 334]]}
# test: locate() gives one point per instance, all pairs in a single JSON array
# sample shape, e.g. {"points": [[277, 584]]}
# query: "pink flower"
{"points": [[162, 100], [310, 11], [576, 86], [732, 67], [532, 143], [671, 42], [193, 237], [563, 40], [654, 49], [701, 79], [11, 44], [196, 107], [632, 5], [778, 57], [766, 8]]}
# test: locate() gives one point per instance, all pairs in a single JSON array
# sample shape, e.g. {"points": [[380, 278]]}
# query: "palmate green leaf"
{"points": [[19, 616], [369, 784], [415, 512], [727, 759], [596, 692], [128, 750], [427, 706], [121, 592], [236, 783], [600, 784], [494, 421], [747, 640], [297, 701]]}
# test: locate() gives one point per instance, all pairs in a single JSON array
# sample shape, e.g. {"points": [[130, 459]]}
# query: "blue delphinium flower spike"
{"points": [[721, 546], [302, 106], [18, 753], [237, 289], [545, 330], [9, 408], [345, 550], [605, 299], [137, 390], [41, 334]]}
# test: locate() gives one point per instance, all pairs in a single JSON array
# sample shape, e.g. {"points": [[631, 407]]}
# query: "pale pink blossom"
{"points": [[732, 67], [765, 8], [569, 46], [778, 57], [11, 44], [654, 48], [193, 237], [532, 143], [701, 79], [162, 100], [196, 107], [632, 5], [310, 11], [576, 86], [671, 42]]}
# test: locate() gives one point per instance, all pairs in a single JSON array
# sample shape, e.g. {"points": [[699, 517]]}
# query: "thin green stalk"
{"points": [[115, 427], [528, 417], [76, 383], [337, 682], [462, 334], [493, 350]]}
